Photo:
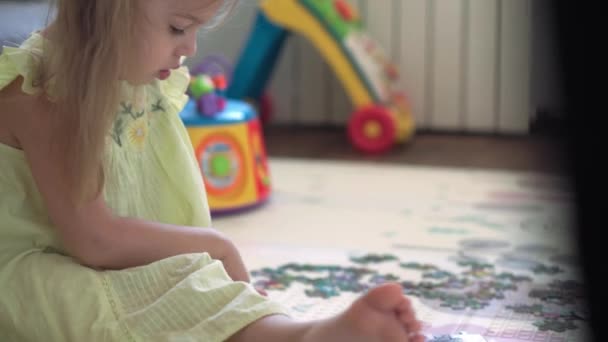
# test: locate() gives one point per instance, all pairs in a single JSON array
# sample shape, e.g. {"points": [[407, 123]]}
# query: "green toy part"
{"points": [[201, 85]]}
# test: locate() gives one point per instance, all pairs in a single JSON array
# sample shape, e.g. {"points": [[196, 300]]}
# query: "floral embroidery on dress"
{"points": [[158, 106], [132, 120], [138, 131]]}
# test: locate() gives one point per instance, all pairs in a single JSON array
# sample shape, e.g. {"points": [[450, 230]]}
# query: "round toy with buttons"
{"points": [[227, 138], [208, 91]]}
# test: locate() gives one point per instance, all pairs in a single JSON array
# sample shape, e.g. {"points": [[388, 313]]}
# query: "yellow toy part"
{"points": [[382, 115], [357, 62], [293, 15]]}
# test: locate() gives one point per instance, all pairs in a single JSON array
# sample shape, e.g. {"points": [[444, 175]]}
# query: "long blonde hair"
{"points": [[89, 53]]}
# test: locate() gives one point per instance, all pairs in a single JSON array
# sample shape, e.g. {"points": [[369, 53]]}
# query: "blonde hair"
{"points": [[223, 13], [89, 53]]}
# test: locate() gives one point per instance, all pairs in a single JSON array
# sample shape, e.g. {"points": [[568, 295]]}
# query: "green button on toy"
{"points": [[220, 166]]}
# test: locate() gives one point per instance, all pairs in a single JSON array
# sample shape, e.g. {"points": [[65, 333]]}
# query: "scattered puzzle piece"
{"points": [[373, 258], [475, 287], [459, 337]]}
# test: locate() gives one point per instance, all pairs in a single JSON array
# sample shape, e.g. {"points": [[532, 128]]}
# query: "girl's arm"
{"points": [[90, 233], [116, 242]]}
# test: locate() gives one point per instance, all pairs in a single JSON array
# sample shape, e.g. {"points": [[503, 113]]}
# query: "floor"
{"points": [[536, 153], [484, 252], [477, 251]]}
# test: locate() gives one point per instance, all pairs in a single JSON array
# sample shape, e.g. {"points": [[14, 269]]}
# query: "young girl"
{"points": [[104, 225]]}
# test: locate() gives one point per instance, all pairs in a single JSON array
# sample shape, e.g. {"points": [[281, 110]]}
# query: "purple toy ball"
{"points": [[207, 104]]}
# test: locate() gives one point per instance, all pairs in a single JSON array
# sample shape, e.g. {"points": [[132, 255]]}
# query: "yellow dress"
{"points": [[151, 173]]}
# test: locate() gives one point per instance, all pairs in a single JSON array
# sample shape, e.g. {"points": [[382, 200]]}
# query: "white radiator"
{"points": [[465, 64]]}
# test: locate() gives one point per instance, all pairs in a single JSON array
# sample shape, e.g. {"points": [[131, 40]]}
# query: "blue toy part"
{"points": [[257, 59], [234, 112]]}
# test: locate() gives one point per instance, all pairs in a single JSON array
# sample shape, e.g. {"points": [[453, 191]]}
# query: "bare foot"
{"points": [[384, 314]]}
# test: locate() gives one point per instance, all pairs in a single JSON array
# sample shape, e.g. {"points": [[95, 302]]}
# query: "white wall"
{"points": [[465, 64]]}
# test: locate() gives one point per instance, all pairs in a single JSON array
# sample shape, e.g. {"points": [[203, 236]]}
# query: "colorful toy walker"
{"points": [[382, 114], [227, 139]]}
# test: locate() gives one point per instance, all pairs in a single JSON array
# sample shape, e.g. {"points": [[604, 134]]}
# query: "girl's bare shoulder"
{"points": [[21, 114]]}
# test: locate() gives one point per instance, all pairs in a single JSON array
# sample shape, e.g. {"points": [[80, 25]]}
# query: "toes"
{"points": [[413, 326], [406, 316], [405, 305], [409, 321], [388, 301], [416, 338], [385, 297]]}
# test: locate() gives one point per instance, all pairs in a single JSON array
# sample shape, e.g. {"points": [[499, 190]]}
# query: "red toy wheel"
{"points": [[372, 129]]}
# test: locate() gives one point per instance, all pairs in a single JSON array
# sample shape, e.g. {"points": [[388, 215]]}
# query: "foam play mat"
{"points": [[484, 255]]}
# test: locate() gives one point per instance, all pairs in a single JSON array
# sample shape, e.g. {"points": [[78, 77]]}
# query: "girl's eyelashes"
{"points": [[177, 31]]}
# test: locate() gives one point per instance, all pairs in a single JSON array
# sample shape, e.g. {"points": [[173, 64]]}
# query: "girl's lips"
{"points": [[164, 74]]}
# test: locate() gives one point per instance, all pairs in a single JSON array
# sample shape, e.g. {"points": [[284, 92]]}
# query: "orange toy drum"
{"points": [[230, 150]]}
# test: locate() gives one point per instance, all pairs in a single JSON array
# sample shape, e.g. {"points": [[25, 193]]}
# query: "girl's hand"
{"points": [[233, 263], [261, 291]]}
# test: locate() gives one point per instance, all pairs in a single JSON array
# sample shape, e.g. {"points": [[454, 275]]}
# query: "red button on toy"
{"points": [[346, 11]]}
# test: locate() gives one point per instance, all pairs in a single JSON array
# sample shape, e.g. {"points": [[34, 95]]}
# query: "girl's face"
{"points": [[166, 31]]}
